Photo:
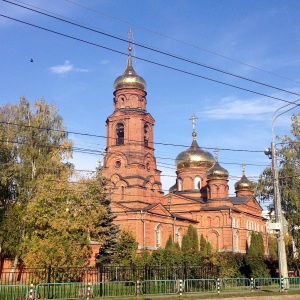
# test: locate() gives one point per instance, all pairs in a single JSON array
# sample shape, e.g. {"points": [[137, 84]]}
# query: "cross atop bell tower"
{"points": [[130, 40]]}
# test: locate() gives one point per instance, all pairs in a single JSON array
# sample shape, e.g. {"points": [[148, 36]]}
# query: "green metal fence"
{"points": [[267, 283], [160, 287], [235, 284], [113, 288], [70, 290], [293, 283], [200, 285], [13, 292], [81, 290]]}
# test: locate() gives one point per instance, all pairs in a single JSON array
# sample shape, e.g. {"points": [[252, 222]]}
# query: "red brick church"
{"points": [[200, 196]]}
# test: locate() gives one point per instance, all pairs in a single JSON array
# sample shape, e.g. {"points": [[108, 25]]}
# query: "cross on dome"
{"points": [[130, 39], [194, 118], [243, 168], [216, 154]]}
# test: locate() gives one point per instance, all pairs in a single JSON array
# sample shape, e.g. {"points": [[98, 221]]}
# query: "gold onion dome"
{"points": [[217, 172], [194, 157], [244, 184], [130, 79]]}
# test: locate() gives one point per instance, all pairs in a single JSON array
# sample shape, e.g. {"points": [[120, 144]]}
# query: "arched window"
{"points": [[179, 184], [146, 135], [120, 134], [237, 239], [178, 233], [197, 183], [158, 236]]}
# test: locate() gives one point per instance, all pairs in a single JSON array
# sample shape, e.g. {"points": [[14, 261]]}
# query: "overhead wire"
{"points": [[179, 41], [128, 140], [96, 151], [150, 61], [159, 51]]}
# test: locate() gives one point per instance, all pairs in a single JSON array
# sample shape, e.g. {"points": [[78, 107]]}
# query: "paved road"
{"points": [[278, 297]]}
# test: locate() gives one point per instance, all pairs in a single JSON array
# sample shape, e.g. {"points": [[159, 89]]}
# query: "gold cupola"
{"points": [[130, 79], [244, 186], [194, 157], [217, 172]]}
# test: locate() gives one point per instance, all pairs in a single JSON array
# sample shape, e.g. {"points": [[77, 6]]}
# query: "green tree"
{"points": [[186, 244], [169, 243], [109, 246], [272, 246], [255, 257], [192, 233], [126, 247], [55, 212], [62, 221], [33, 143], [289, 180]]}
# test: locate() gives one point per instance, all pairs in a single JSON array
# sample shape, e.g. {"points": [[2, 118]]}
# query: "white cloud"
{"points": [[231, 108], [62, 69], [66, 68]]}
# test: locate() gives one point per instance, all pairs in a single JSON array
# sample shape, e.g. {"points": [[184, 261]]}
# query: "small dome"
{"points": [[217, 172], [244, 184], [194, 157], [130, 79], [173, 188]]}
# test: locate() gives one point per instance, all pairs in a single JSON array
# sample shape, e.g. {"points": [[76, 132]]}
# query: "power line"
{"points": [[159, 51], [180, 41], [152, 62], [101, 136]]}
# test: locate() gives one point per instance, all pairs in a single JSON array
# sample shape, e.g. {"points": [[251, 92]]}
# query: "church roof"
{"points": [[222, 207], [184, 218], [239, 200]]}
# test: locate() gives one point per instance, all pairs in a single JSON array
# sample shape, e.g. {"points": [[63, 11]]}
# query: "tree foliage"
{"points": [[289, 180], [126, 248], [49, 214]]}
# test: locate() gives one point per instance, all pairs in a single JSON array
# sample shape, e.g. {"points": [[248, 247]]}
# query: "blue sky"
{"points": [[254, 39]]}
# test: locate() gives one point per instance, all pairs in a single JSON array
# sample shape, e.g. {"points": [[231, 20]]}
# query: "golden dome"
{"points": [[217, 172], [130, 79], [194, 157], [244, 184]]}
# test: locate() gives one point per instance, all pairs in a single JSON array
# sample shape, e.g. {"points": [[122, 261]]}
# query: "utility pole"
{"points": [[282, 261], [278, 226]]}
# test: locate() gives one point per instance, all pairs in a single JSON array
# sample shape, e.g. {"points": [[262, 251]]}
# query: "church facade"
{"points": [[200, 196]]}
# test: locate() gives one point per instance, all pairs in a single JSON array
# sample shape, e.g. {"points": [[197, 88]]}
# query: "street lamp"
{"points": [[278, 226]]}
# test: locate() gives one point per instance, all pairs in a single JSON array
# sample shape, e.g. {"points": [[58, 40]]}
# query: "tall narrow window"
{"points": [[179, 184], [179, 236], [120, 134], [197, 184], [158, 236], [146, 135]]}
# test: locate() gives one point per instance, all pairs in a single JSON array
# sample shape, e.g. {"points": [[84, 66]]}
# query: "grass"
{"points": [[255, 294]]}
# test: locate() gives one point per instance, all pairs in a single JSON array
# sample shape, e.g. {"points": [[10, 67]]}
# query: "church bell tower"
{"points": [[129, 163]]}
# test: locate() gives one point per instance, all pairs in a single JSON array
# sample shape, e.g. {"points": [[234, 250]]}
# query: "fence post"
{"points": [[31, 292], [88, 292], [252, 284], [180, 287], [281, 284], [218, 285], [137, 292]]}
